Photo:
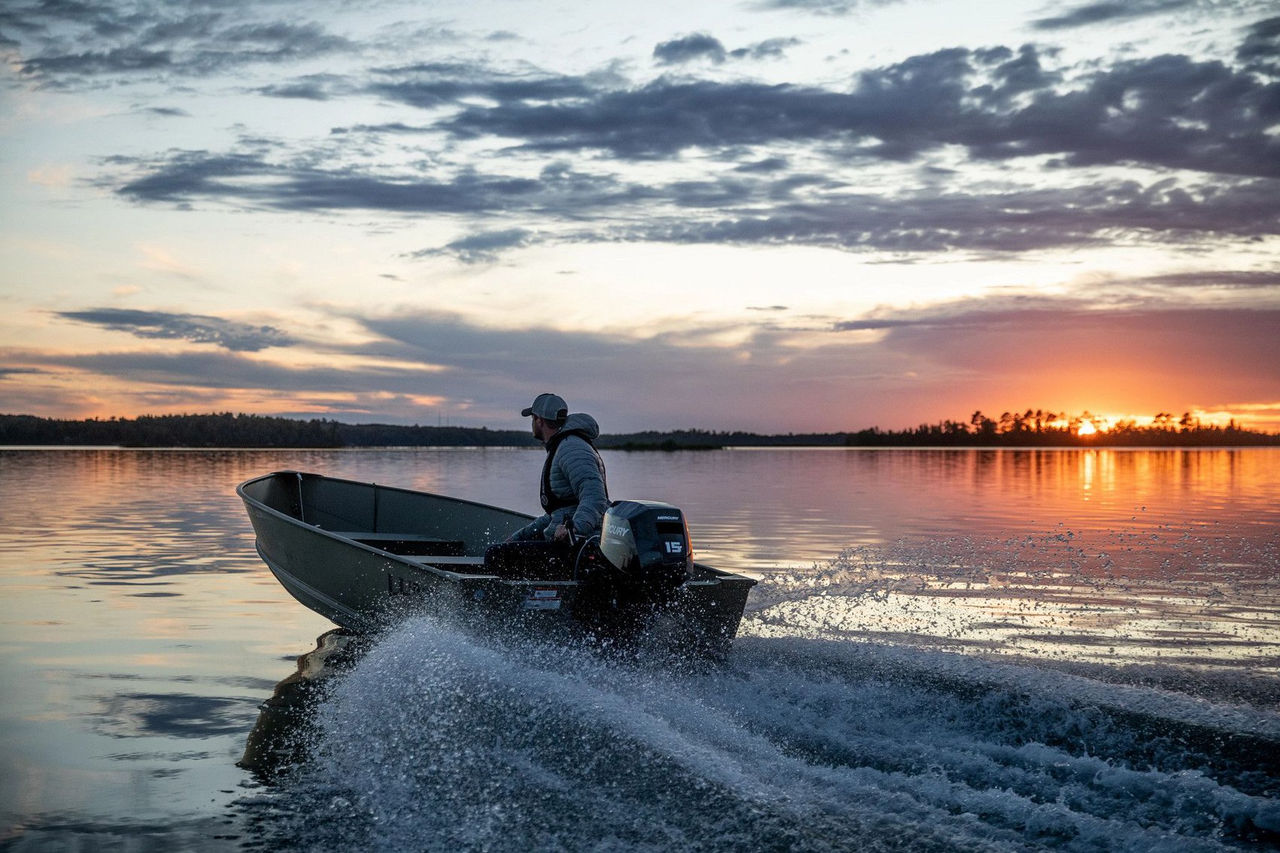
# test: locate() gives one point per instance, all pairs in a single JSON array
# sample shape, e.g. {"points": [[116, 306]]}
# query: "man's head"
{"points": [[548, 412]]}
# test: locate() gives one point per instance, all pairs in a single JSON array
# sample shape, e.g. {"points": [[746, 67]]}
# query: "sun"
{"points": [[1087, 428]]}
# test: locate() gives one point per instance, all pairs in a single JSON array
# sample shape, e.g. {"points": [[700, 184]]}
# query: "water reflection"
{"points": [[1157, 602], [280, 738], [144, 632], [180, 715]]}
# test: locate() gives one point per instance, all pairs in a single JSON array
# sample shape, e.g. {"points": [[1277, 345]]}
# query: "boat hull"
{"points": [[365, 555]]}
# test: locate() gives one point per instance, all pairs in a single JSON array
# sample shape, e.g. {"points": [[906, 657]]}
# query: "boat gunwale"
{"points": [[347, 540], [718, 575]]}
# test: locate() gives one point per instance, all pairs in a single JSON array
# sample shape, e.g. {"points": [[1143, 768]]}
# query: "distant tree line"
{"points": [[228, 430], [1032, 428], [698, 439], [1046, 428]]}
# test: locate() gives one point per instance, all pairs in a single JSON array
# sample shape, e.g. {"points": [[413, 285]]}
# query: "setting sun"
{"points": [[1086, 428]]}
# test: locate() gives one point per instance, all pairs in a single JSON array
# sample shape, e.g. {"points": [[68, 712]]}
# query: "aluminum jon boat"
{"points": [[365, 555]]}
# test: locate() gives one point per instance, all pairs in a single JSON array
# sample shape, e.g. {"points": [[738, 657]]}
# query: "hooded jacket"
{"points": [[573, 482]]}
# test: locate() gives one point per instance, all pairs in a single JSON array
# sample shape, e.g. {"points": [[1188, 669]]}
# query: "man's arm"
{"points": [[581, 467], [534, 530]]}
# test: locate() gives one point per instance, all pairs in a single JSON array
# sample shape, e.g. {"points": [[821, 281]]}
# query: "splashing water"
{"points": [[1072, 690], [439, 739]]}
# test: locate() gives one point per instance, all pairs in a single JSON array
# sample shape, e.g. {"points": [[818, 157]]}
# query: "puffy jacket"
{"points": [[573, 482]]}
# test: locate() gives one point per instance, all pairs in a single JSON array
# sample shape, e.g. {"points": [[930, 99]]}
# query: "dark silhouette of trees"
{"points": [[1043, 428], [1029, 428]]}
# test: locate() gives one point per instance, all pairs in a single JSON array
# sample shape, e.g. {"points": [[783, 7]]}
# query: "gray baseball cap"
{"points": [[549, 407]]}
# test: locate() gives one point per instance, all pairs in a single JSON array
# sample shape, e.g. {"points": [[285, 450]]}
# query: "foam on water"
{"points": [[441, 738]]}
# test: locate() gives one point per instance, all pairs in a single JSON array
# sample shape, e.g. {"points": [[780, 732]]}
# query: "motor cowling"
{"points": [[648, 542]]}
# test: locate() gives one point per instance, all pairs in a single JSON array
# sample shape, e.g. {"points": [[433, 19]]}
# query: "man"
{"points": [[573, 492]]}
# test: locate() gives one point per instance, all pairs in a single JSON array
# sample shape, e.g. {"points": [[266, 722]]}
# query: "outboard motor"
{"points": [[643, 558], [648, 542]]}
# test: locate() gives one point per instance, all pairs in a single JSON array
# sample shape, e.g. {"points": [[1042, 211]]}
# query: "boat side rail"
{"points": [[406, 544], [473, 568]]}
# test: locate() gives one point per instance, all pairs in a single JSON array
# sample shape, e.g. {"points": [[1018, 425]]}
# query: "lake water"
{"points": [[947, 650]]}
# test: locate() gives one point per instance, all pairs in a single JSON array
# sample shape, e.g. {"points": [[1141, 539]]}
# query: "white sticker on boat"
{"points": [[543, 599]]}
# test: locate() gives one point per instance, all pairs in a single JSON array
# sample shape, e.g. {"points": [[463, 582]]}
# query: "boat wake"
{"points": [[439, 738]]}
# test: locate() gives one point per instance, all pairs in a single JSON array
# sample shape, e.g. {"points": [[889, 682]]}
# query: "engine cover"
{"points": [[648, 541]]}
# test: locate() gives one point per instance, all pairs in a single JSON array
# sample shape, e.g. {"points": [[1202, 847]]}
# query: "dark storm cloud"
{"points": [[229, 334], [1098, 13]]}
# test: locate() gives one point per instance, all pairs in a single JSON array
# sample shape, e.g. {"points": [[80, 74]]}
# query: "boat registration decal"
{"points": [[543, 599], [402, 586]]}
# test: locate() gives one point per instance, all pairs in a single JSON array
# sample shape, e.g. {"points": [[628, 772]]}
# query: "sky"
{"points": [[769, 215]]}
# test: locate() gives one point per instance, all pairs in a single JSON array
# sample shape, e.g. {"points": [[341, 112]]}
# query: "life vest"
{"points": [[550, 500]]}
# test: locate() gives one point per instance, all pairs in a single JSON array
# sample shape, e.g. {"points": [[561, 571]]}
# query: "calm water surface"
{"points": [[948, 650]]}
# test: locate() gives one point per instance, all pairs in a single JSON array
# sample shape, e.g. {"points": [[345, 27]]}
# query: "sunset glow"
{"points": [[774, 216]]}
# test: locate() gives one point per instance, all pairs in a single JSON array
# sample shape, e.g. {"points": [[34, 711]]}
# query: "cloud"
{"points": [[702, 46], [774, 48], [228, 334], [821, 7], [1260, 51], [768, 164], [1226, 279], [795, 154], [72, 44], [250, 177], [1163, 112], [430, 85], [955, 356], [979, 352], [310, 87], [689, 48], [761, 204], [167, 112], [206, 372], [1221, 352], [1104, 12], [1009, 221], [482, 247]]}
